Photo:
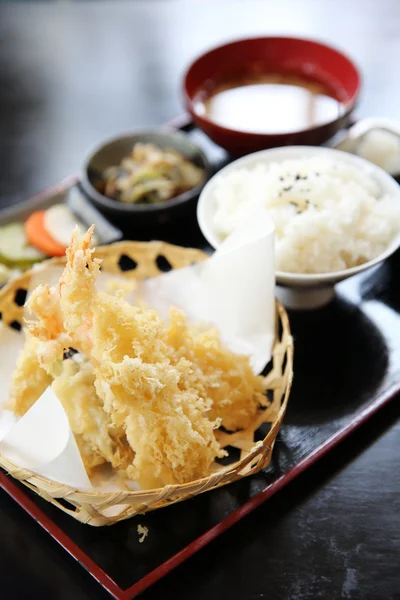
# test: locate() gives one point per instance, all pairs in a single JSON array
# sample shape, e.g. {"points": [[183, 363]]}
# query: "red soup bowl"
{"points": [[309, 61]]}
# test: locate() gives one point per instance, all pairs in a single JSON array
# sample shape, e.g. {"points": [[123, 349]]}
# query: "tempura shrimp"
{"points": [[63, 321], [77, 290]]}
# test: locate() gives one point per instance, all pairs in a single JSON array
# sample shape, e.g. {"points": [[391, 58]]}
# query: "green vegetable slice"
{"points": [[14, 248]]}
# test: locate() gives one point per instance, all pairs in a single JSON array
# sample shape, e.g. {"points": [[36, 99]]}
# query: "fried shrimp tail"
{"points": [[77, 290]]}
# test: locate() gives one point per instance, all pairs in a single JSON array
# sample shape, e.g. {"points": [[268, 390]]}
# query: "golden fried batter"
{"points": [[29, 379], [98, 440], [168, 428], [216, 373]]}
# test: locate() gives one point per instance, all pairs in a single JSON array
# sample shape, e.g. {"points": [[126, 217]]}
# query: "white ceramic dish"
{"points": [[297, 290], [350, 140]]}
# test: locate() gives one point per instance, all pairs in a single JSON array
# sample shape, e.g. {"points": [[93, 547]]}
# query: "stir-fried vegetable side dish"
{"points": [[149, 175]]}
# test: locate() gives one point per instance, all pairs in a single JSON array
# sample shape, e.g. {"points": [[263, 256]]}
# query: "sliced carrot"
{"points": [[38, 237]]}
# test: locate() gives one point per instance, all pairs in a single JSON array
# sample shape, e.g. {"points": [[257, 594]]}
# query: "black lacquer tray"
{"points": [[347, 367]]}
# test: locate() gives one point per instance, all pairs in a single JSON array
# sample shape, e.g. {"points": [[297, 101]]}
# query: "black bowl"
{"points": [[144, 218]]}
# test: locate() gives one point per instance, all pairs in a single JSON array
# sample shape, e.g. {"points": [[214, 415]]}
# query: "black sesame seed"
{"points": [[287, 189], [281, 178]]}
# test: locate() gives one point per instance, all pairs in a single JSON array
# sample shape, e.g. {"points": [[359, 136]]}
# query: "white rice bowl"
{"points": [[329, 215]]}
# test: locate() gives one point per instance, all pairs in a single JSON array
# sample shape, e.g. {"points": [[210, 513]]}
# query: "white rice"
{"points": [[328, 215]]}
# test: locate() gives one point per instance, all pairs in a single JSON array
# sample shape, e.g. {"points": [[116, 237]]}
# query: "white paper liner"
{"points": [[43, 442], [234, 290]]}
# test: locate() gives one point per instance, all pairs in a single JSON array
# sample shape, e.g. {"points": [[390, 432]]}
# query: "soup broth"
{"points": [[270, 103]]}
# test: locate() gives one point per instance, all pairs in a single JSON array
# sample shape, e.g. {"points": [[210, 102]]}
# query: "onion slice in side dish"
{"points": [[59, 222]]}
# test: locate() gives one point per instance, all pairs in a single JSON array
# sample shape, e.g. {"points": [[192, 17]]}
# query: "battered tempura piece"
{"points": [[73, 383], [77, 291], [148, 395], [29, 379], [97, 439], [48, 329], [225, 378], [41, 362], [168, 428]]}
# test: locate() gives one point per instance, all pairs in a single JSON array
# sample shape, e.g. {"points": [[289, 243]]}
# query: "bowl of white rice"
{"points": [[335, 215]]}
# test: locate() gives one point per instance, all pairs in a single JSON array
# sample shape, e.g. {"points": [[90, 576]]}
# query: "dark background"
{"points": [[72, 73]]}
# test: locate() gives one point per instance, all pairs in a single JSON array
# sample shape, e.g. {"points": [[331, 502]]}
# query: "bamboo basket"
{"points": [[106, 508]]}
